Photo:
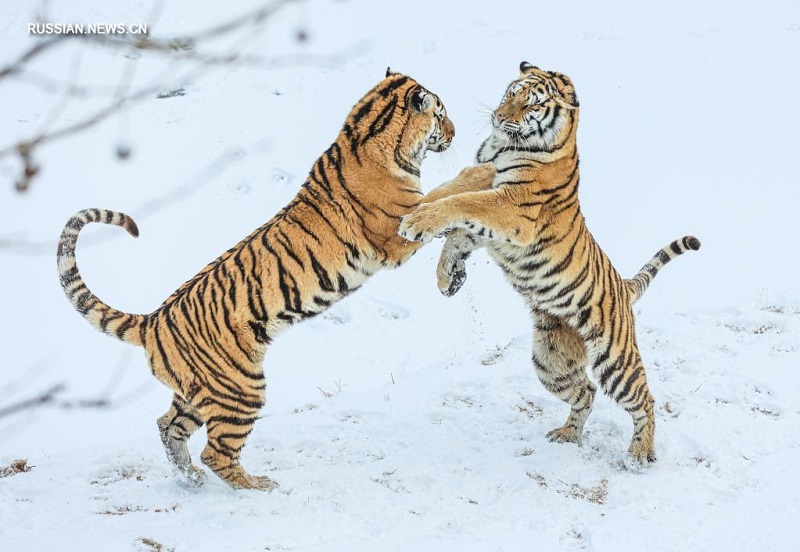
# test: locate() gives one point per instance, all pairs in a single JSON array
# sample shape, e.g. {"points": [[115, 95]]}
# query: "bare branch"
{"points": [[255, 17], [43, 46], [25, 148], [49, 397], [179, 48], [145, 210], [45, 397]]}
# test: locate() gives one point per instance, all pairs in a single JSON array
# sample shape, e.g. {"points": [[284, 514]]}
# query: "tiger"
{"points": [[526, 213], [207, 341]]}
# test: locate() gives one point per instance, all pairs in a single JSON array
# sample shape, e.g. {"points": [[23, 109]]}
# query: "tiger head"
{"points": [[428, 128], [398, 122], [538, 110]]}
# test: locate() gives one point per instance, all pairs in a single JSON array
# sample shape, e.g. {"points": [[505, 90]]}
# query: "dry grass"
{"points": [[153, 545], [17, 466], [765, 411], [122, 510], [596, 495], [757, 330], [540, 480], [529, 409], [495, 354]]}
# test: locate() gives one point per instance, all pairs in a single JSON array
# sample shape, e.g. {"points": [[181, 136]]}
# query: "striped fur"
{"points": [[206, 342], [108, 320], [639, 283], [529, 219]]}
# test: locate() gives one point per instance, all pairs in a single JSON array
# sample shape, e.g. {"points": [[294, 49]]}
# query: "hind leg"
{"points": [[559, 358], [175, 427], [226, 438], [228, 429], [621, 375]]}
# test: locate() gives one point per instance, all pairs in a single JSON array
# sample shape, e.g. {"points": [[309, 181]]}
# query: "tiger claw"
{"points": [[452, 279], [409, 229], [459, 277]]}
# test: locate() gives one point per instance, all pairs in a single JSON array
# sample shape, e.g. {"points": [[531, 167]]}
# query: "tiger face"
{"points": [[537, 111], [428, 128], [397, 123], [442, 129]]}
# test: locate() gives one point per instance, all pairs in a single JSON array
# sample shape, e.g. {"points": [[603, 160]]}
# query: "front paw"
{"points": [[422, 225], [450, 275]]}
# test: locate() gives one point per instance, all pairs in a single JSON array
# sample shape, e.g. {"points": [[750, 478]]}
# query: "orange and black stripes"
{"points": [[639, 283], [531, 224], [208, 339], [108, 320]]}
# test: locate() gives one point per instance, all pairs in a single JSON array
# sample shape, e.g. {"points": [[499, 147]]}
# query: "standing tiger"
{"points": [[527, 215], [206, 342]]}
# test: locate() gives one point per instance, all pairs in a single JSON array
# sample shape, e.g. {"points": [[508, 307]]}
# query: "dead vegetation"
{"points": [[596, 494], [495, 354], [755, 330], [17, 466], [765, 412], [152, 545], [540, 480], [529, 408], [122, 510]]}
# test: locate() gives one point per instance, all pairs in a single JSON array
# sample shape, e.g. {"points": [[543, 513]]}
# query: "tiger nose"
{"points": [[452, 128], [500, 118]]}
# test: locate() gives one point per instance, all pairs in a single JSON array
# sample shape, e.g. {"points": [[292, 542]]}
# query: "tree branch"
{"points": [[180, 48]]}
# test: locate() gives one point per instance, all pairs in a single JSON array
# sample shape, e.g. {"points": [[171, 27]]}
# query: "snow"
{"points": [[401, 420]]}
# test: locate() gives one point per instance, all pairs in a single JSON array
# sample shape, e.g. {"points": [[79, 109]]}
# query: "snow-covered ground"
{"points": [[401, 420]]}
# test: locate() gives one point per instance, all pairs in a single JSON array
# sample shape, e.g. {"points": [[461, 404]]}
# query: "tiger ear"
{"points": [[389, 72], [421, 100], [565, 91], [524, 67]]}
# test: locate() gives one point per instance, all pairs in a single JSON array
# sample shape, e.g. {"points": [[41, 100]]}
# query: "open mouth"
{"points": [[437, 146]]}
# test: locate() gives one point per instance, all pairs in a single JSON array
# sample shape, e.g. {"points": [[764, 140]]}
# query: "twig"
{"points": [[43, 398], [143, 211], [43, 46], [180, 49]]}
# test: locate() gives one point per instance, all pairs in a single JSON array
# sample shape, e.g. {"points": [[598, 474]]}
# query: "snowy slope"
{"points": [[401, 420]]}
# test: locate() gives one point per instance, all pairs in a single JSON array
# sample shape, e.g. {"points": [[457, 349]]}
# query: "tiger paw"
{"points": [[245, 481], [565, 434], [423, 224], [263, 483], [450, 275], [642, 453], [192, 476]]}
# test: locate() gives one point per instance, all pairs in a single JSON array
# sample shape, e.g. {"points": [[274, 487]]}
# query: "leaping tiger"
{"points": [[528, 217], [206, 342]]}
